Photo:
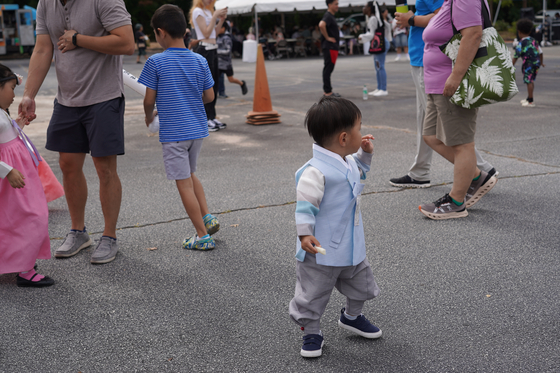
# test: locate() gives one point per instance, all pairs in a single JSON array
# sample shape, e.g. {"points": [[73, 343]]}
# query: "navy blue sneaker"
{"points": [[312, 345], [360, 326]]}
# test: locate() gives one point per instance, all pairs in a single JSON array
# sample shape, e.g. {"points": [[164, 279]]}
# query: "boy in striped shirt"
{"points": [[328, 216], [180, 83]]}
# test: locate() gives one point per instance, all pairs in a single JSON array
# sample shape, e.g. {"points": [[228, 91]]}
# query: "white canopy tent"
{"points": [[288, 6]]}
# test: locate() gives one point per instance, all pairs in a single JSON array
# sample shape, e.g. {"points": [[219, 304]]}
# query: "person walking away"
{"points": [[88, 113], [141, 42], [24, 215], [329, 45], [225, 66], [448, 128], [206, 23], [328, 194], [419, 173], [180, 76], [378, 18], [529, 50]]}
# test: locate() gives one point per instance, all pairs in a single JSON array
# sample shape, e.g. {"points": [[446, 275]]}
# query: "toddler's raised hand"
{"points": [[16, 179], [367, 145]]}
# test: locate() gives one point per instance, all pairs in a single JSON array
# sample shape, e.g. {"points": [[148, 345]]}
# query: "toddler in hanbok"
{"points": [[24, 215]]}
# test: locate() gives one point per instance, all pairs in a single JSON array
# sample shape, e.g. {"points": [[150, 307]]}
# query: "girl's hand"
{"points": [[16, 179], [22, 121], [308, 244], [367, 145], [222, 13]]}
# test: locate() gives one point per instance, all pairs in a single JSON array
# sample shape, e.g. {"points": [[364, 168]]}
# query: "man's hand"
{"points": [[451, 85], [308, 244], [16, 179], [402, 18], [26, 108], [65, 41], [367, 145], [331, 39]]}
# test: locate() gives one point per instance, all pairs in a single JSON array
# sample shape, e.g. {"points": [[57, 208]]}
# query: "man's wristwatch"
{"points": [[76, 43], [411, 20]]}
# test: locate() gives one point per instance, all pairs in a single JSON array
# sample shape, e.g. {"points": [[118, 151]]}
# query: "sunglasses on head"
{"points": [[17, 77]]}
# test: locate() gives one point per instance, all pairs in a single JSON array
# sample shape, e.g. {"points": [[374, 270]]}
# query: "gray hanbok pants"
{"points": [[314, 286]]}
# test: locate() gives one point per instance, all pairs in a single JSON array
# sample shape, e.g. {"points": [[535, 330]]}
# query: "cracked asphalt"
{"points": [[478, 294]]}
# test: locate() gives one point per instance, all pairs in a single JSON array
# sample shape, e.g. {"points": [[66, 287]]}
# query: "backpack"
{"points": [[377, 45]]}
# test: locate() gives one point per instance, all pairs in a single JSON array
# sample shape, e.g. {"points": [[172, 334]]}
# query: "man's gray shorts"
{"points": [[180, 158], [98, 128]]}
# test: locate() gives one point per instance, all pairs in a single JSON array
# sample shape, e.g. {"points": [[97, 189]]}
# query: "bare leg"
{"points": [[192, 206], [75, 186], [530, 89], [110, 192], [450, 153], [200, 196], [464, 170], [232, 79]]}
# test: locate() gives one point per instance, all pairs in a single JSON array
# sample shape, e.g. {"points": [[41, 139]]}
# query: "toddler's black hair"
{"points": [[170, 18], [6, 74], [329, 117], [525, 25]]}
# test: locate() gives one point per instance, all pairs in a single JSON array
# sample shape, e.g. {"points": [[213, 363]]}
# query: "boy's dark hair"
{"points": [[525, 25], [226, 26], [329, 117], [329, 2], [6, 74], [170, 18], [371, 7]]}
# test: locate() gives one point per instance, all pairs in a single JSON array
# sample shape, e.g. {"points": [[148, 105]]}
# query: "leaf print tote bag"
{"points": [[491, 76]]}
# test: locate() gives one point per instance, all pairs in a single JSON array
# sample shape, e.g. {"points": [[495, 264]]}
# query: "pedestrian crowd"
{"points": [[182, 88]]}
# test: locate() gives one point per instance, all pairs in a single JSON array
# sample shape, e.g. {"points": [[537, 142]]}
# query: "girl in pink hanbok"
{"points": [[24, 215]]}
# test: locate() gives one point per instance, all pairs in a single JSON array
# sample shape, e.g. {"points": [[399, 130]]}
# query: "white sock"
{"points": [[350, 317]]}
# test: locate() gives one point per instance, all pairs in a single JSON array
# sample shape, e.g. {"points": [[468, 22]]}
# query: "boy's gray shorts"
{"points": [[180, 158], [98, 128]]}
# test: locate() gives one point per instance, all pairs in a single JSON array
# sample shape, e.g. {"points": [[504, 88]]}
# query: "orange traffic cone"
{"points": [[262, 105]]}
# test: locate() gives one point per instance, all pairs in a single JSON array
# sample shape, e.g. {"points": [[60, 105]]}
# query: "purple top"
{"points": [[437, 66]]}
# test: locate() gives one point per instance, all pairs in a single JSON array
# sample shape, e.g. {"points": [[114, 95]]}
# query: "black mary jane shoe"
{"points": [[23, 283]]}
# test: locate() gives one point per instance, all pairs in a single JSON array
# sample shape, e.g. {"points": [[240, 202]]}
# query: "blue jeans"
{"points": [[379, 61]]}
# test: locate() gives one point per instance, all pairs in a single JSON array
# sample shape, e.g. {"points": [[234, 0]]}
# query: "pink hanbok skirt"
{"points": [[24, 215]]}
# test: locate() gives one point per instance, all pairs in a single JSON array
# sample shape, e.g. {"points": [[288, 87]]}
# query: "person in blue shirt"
{"points": [[419, 174], [179, 82], [328, 215]]}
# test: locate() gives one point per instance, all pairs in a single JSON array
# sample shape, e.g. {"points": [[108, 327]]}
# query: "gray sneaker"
{"points": [[105, 251], [73, 243], [443, 208], [480, 187]]}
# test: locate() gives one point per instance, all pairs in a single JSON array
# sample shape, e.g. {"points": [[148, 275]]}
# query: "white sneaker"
{"points": [[381, 93], [398, 57], [408, 56], [212, 127], [528, 104], [372, 93], [219, 124], [524, 101]]}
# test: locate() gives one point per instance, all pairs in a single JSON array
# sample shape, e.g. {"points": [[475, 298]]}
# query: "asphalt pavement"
{"points": [[478, 294]]}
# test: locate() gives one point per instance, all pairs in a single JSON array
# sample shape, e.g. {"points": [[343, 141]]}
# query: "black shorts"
{"points": [[228, 71], [98, 128]]}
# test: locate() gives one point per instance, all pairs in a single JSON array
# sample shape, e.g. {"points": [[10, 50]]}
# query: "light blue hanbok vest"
{"points": [[338, 224]]}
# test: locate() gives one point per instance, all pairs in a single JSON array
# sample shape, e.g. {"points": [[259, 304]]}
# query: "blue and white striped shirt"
{"points": [[179, 77]]}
